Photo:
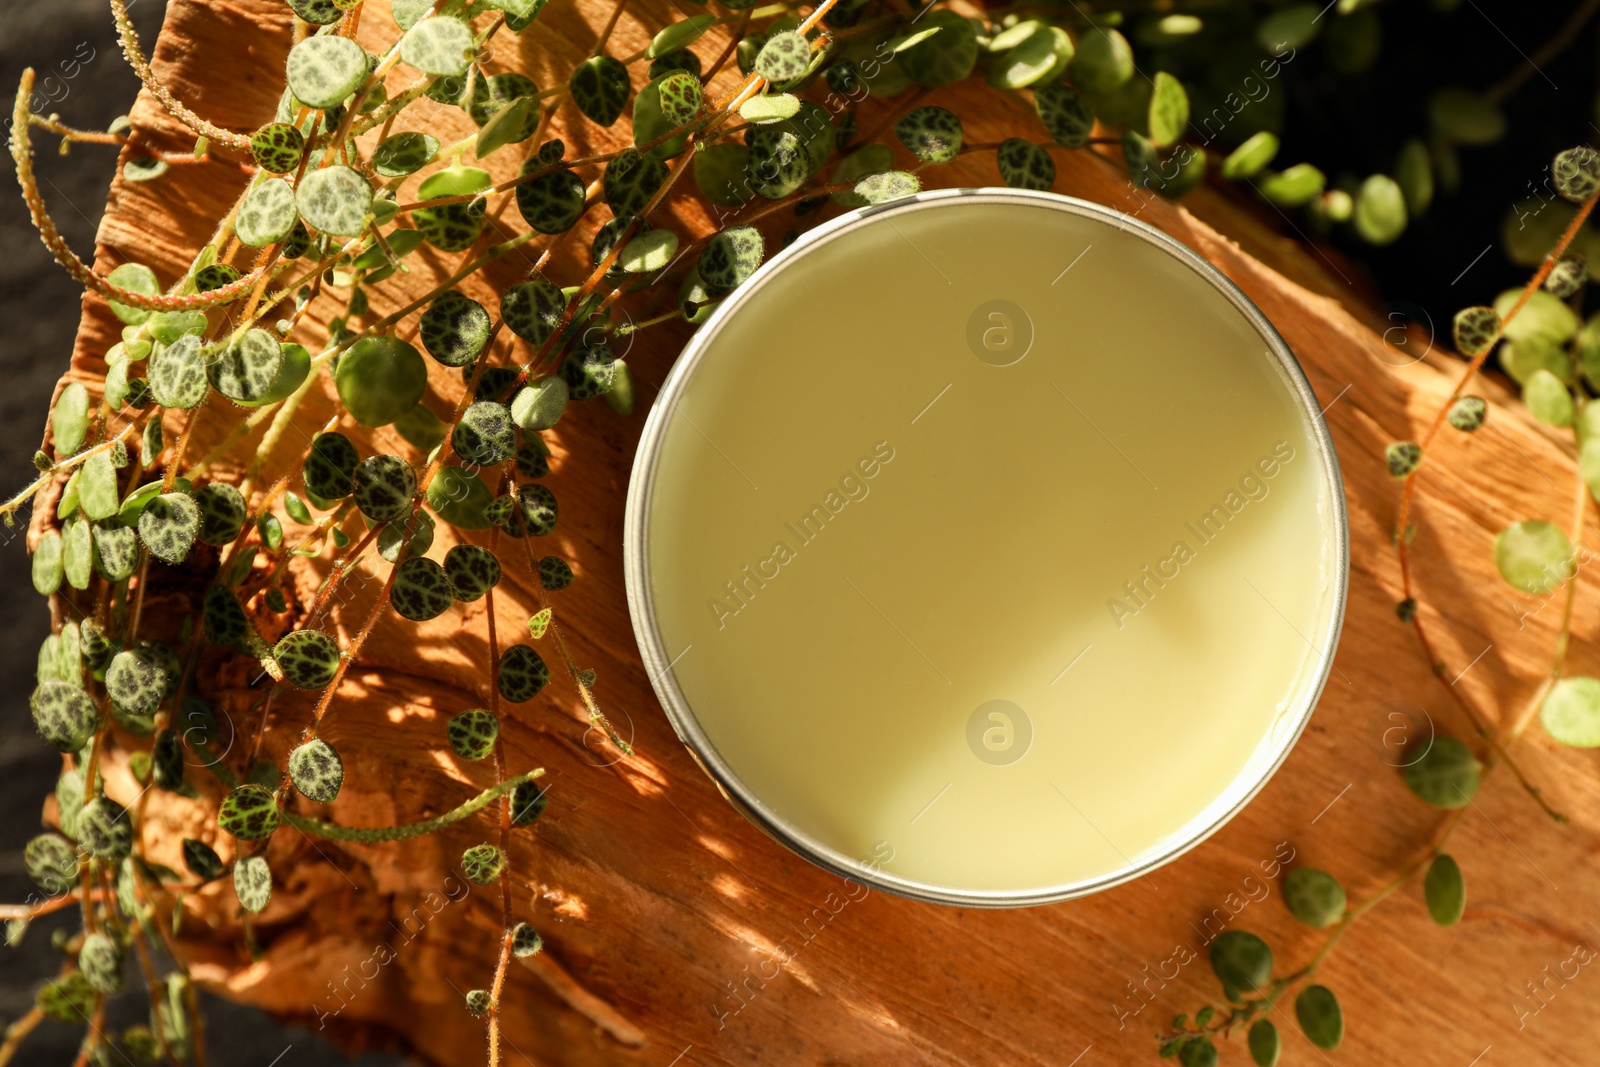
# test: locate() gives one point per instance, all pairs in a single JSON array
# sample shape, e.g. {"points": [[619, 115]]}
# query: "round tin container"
{"points": [[662, 663]]}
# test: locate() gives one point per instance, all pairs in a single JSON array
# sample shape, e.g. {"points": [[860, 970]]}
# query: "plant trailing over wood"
{"points": [[349, 179]]}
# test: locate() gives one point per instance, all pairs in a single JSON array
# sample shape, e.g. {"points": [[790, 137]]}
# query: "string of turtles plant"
{"points": [[827, 111], [1553, 354]]}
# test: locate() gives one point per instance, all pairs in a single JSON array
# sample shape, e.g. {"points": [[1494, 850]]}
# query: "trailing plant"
{"points": [[820, 108]]}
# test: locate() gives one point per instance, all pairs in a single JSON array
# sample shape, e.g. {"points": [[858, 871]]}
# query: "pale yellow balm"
{"points": [[990, 546]]}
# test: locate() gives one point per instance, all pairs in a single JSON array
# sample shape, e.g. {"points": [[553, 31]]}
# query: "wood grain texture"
{"points": [[665, 914]]}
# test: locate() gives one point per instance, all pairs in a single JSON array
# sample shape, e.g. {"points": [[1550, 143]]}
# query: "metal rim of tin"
{"points": [[636, 548]]}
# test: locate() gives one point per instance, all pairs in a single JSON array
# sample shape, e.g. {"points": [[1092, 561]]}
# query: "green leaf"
{"points": [[1024, 165], [512, 123], [1380, 210], [1265, 1044], [323, 70], [1571, 712], [77, 552], [539, 623], [1320, 1017], [1294, 187], [1544, 315], [1446, 775], [944, 58], [1445, 890], [1251, 158], [784, 57], [1033, 59], [599, 88], [680, 34], [97, 487], [1535, 556], [881, 188], [1198, 1052], [1466, 117], [1066, 114], [1414, 171], [380, 379], [719, 170], [1169, 110], [458, 497], [69, 421], [1314, 897], [178, 374], [140, 279], [649, 251], [247, 369], [47, 563], [1548, 399], [249, 813], [1290, 28], [1241, 959], [765, 108], [168, 526], [335, 200], [1104, 61], [403, 154], [650, 122]]}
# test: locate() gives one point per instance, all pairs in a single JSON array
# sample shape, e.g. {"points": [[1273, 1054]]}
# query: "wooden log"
{"points": [[675, 932]]}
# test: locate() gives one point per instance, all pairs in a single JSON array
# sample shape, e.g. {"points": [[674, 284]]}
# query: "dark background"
{"points": [[1340, 124]]}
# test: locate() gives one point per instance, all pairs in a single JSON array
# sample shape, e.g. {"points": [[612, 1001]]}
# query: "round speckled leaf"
{"points": [[46, 563], [168, 525], [267, 214], [316, 770], [554, 574], [1317, 1011], [317, 12], [1242, 960], [482, 864], [525, 941], [246, 369], [249, 813], [539, 404], [932, 134], [323, 70], [136, 681], [527, 803], [64, 715], [522, 674], [100, 962], [52, 863], [1024, 165], [277, 147], [472, 571], [784, 57], [383, 487], [103, 828], [455, 329], [222, 513], [68, 1000], [536, 509], [532, 309], [421, 590], [890, 185], [178, 374], [335, 200], [403, 154], [731, 257], [681, 97], [329, 466], [649, 252], [552, 202], [459, 497], [630, 180], [224, 620], [1066, 114], [600, 89], [252, 883], [202, 860], [485, 435], [779, 163], [116, 549], [1314, 897], [441, 45], [450, 227], [473, 733], [1571, 712], [308, 658], [380, 379]]}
